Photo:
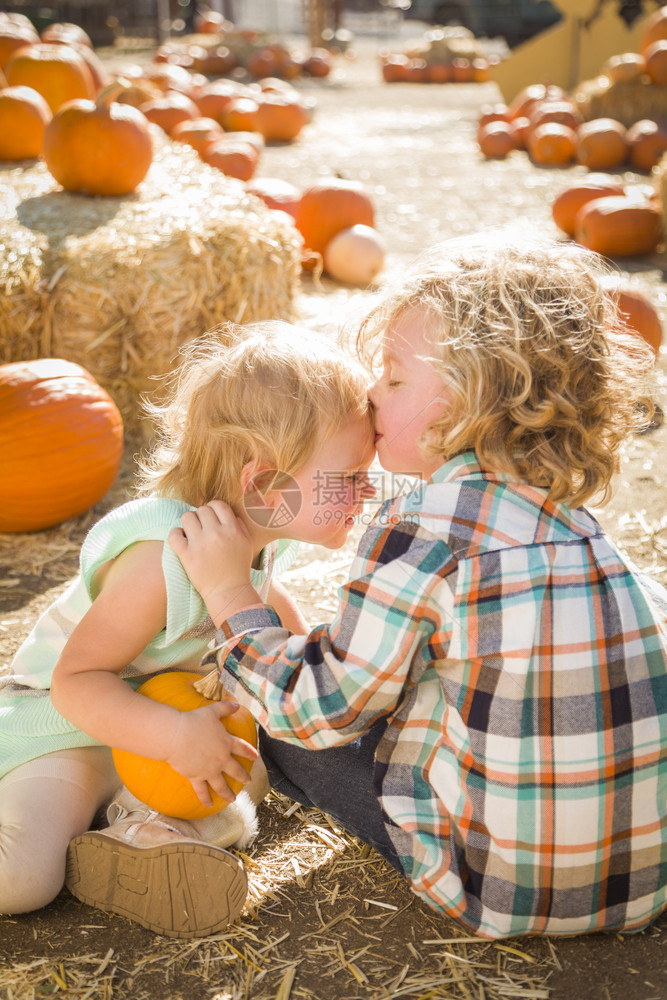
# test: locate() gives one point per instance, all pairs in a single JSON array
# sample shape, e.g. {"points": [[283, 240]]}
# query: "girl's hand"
{"points": [[203, 751], [216, 552]]}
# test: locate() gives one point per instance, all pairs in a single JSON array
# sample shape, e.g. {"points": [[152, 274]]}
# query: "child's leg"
{"points": [[338, 781], [43, 805]]}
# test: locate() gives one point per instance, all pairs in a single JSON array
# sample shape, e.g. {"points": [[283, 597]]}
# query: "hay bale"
{"points": [[118, 284], [627, 102]]}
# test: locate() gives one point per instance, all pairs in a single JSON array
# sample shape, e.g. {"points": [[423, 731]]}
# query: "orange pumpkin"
{"points": [[263, 62], [563, 112], [602, 144], [58, 72], [492, 113], [566, 206], [277, 194], [496, 140], [169, 110], [67, 33], [328, 207], [234, 157], [61, 443], [552, 144], [521, 129], [154, 781], [656, 62], [639, 315], [647, 140], [395, 68], [440, 72], [240, 115], [279, 118], [214, 98], [169, 76], [98, 147], [619, 227], [462, 71], [209, 22], [197, 132], [24, 115], [14, 37], [626, 67], [655, 29], [481, 70], [318, 64], [215, 61], [527, 99]]}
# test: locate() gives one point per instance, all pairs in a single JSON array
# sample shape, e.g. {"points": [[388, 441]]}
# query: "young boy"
{"points": [[488, 708]]}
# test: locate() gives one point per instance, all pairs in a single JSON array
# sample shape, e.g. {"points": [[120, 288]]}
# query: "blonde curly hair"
{"points": [[543, 380], [267, 392]]}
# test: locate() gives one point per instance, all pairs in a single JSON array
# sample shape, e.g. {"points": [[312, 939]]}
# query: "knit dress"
{"points": [[29, 724]]}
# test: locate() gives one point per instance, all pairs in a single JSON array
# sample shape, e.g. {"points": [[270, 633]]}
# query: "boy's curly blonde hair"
{"points": [[267, 392], [543, 380]]}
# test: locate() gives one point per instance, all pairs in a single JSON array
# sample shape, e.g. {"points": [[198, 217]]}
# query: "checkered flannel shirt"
{"points": [[522, 666]]}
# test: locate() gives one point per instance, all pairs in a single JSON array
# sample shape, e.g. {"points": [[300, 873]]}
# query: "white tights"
{"points": [[43, 805]]}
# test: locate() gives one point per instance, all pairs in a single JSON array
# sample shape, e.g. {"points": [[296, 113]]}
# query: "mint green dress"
{"points": [[29, 724]]}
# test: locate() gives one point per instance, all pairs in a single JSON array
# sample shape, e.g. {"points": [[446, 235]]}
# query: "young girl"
{"points": [[489, 706], [254, 417]]}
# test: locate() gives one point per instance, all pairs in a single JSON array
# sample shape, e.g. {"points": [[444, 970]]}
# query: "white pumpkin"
{"points": [[355, 255]]}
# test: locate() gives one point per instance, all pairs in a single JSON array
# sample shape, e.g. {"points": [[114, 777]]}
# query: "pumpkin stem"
{"points": [[108, 94], [209, 686]]}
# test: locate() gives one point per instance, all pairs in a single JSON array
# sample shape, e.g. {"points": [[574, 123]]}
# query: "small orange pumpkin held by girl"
{"points": [[154, 781]]}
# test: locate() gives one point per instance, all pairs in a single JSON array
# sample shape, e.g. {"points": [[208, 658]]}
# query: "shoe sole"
{"points": [[181, 890]]}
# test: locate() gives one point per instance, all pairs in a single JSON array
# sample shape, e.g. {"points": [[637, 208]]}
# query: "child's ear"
{"points": [[257, 478]]}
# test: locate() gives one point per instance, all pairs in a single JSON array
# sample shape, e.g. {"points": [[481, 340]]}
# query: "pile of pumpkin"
{"points": [[336, 220], [547, 122], [444, 55], [219, 49], [603, 214], [56, 97]]}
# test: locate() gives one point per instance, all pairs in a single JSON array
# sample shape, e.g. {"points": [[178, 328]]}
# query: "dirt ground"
{"points": [[326, 918]]}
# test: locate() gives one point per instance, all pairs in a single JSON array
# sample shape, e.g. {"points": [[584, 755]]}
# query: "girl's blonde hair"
{"points": [[267, 392], [542, 379]]}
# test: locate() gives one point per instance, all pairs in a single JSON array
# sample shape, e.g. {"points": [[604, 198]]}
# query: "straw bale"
{"points": [[118, 284], [627, 102]]}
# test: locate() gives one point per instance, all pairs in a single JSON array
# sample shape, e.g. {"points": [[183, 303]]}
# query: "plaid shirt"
{"points": [[522, 666]]}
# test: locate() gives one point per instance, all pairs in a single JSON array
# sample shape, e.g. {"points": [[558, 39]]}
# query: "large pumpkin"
{"points": [[154, 781], [330, 206], [58, 72], [98, 147], [619, 226], [61, 442]]}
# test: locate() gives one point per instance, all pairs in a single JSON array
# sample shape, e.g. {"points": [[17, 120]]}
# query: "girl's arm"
{"points": [[127, 613]]}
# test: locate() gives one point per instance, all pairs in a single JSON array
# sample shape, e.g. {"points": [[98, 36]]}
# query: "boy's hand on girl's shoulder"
{"points": [[216, 552], [203, 751]]}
